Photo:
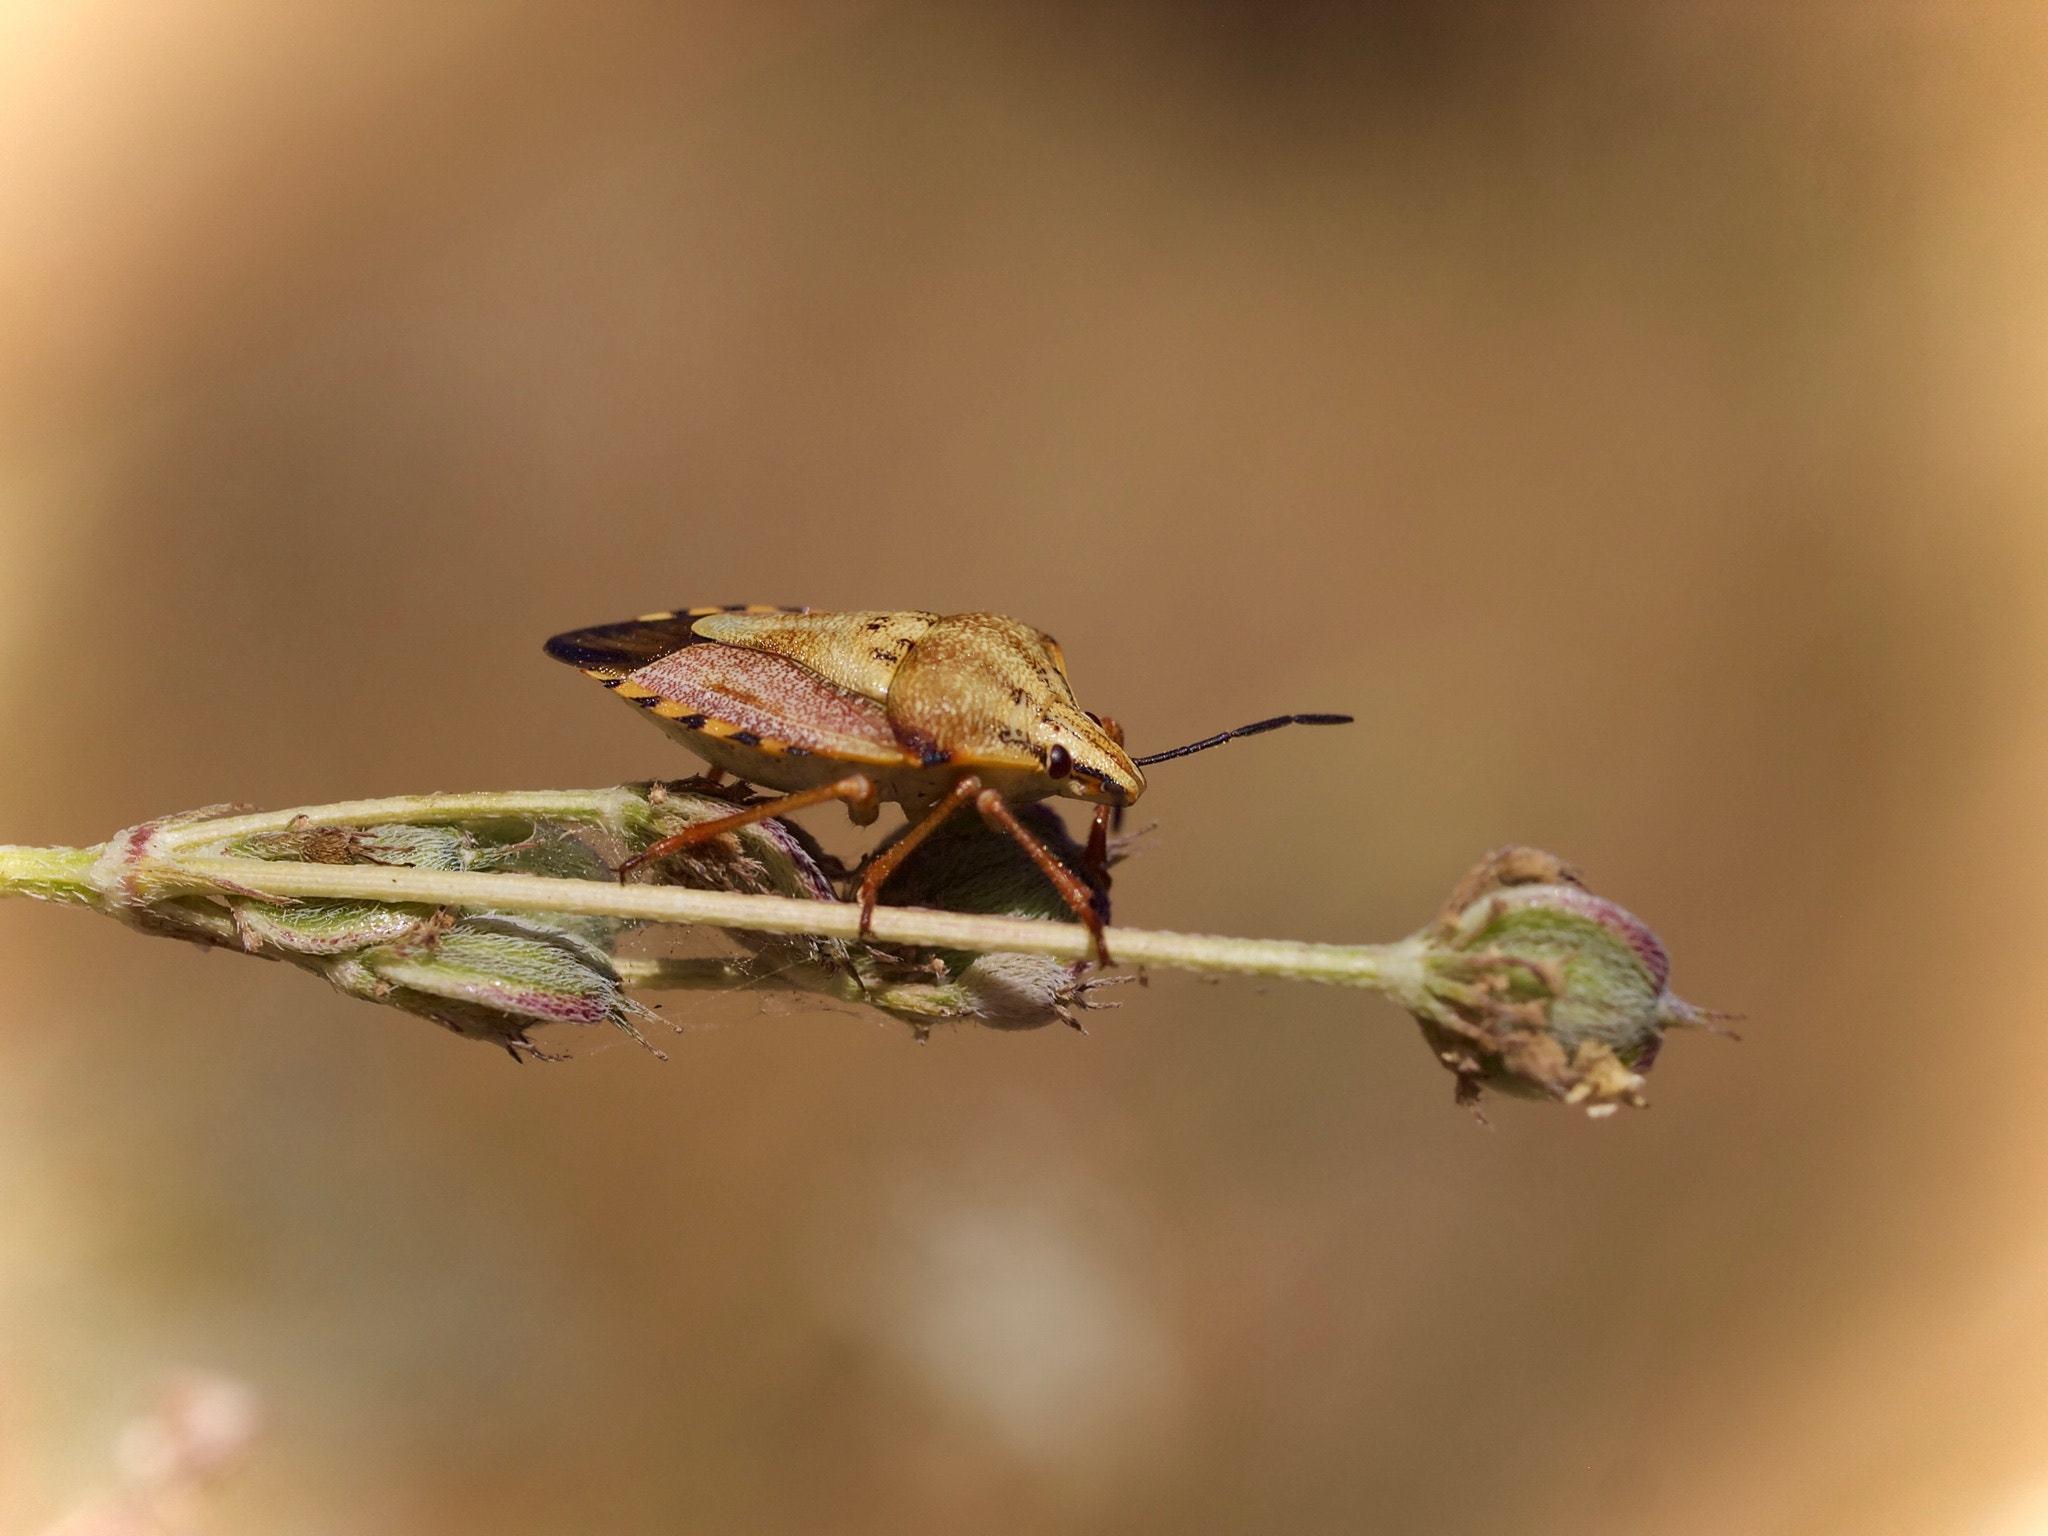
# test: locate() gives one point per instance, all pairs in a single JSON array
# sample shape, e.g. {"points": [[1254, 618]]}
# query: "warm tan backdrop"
{"points": [[1637, 422]]}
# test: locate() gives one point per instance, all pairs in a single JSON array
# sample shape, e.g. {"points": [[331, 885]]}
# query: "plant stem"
{"points": [[1368, 965], [69, 875], [183, 856], [49, 874]]}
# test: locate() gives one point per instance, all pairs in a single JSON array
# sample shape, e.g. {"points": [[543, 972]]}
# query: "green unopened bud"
{"points": [[317, 928], [1530, 984], [494, 978]]}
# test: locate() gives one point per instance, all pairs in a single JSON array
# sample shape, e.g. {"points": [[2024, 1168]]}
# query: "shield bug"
{"points": [[930, 712]]}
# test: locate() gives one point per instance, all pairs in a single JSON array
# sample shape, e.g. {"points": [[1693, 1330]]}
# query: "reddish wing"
{"points": [[782, 706]]}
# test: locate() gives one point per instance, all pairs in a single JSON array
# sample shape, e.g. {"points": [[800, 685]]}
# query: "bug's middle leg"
{"points": [[885, 863], [857, 790]]}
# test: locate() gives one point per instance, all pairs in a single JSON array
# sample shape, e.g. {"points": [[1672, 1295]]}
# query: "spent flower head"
{"points": [[1530, 984]]}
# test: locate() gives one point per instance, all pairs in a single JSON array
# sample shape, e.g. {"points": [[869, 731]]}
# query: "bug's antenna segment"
{"points": [[1255, 729]]}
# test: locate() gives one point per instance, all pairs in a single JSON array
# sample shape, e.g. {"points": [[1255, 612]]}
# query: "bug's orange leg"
{"points": [[884, 864], [1096, 860], [857, 790], [1073, 890]]}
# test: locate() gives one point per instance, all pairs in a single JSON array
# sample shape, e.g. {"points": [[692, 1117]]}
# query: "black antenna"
{"points": [[1256, 729]]}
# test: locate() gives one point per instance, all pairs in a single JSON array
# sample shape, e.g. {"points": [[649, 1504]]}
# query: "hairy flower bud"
{"points": [[1530, 984], [493, 977]]}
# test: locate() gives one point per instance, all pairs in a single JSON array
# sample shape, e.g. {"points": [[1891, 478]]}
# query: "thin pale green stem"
{"points": [[170, 863], [49, 874], [1366, 965]]}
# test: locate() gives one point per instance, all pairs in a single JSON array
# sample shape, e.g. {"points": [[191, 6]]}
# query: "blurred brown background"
{"points": [[1636, 419]]}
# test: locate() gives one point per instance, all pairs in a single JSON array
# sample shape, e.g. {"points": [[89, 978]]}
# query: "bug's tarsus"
{"points": [[1256, 728]]}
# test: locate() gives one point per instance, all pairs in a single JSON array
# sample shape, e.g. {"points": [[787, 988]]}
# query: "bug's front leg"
{"points": [[1073, 890], [857, 790], [1096, 860]]}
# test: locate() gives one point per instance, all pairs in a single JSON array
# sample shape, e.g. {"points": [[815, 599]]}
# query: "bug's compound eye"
{"points": [[1058, 762]]}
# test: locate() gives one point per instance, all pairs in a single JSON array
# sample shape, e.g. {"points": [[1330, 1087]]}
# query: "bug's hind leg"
{"points": [[857, 790], [885, 863], [1073, 890]]}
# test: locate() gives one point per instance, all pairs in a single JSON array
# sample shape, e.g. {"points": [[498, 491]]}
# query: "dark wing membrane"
{"points": [[613, 650]]}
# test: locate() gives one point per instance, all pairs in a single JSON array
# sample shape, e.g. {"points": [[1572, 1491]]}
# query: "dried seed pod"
{"points": [[1530, 984]]}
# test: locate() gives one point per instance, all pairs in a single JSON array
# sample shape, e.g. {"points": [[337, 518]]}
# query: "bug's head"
{"points": [[1086, 757]]}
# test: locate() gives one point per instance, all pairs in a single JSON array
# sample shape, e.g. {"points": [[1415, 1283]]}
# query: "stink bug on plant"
{"points": [[926, 711]]}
